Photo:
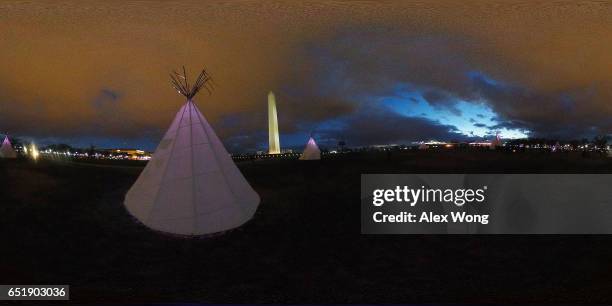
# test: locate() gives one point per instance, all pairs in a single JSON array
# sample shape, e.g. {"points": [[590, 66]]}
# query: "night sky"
{"points": [[365, 72]]}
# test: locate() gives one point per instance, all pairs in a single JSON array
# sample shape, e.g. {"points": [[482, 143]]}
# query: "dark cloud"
{"points": [[444, 70], [250, 143], [542, 67], [105, 99], [373, 125], [441, 99], [581, 113], [242, 123]]}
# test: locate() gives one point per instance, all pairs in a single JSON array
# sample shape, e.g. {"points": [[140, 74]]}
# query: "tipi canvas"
{"points": [[311, 151], [6, 150], [191, 186]]}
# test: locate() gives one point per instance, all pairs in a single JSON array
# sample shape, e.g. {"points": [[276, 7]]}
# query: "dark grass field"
{"points": [[64, 223]]}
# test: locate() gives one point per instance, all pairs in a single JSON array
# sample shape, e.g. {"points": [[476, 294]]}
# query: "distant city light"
{"points": [[34, 152]]}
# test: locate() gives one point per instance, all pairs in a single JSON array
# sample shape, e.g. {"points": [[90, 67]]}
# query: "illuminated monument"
{"points": [[274, 147]]}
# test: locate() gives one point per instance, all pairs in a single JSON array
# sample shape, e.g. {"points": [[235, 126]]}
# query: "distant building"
{"points": [[480, 144], [133, 154]]}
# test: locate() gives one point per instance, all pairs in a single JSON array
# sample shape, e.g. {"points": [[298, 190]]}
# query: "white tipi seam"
{"points": [[152, 209], [193, 178], [229, 186]]}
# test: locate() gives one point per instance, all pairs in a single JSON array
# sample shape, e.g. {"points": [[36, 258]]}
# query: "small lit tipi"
{"points": [[423, 146], [6, 150], [191, 185], [311, 151]]}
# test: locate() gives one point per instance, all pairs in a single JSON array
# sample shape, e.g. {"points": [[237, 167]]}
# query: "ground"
{"points": [[64, 223]]}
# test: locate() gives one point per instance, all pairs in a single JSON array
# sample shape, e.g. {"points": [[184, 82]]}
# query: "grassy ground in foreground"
{"points": [[64, 223]]}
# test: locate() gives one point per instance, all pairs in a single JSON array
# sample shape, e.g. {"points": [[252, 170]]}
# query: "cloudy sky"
{"points": [[366, 72]]}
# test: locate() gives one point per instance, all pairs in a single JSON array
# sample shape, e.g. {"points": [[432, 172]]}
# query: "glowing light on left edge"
{"points": [[34, 152]]}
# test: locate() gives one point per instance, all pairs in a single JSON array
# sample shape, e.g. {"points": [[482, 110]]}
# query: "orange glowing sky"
{"points": [[74, 69]]}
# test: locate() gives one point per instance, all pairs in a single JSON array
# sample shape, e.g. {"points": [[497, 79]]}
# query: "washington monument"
{"points": [[274, 143]]}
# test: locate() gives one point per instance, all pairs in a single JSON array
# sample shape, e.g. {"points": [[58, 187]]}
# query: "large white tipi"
{"points": [[311, 151], [6, 150], [191, 185]]}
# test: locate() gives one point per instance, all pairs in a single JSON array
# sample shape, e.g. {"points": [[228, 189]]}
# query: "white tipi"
{"points": [[6, 150], [191, 186], [311, 151]]}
